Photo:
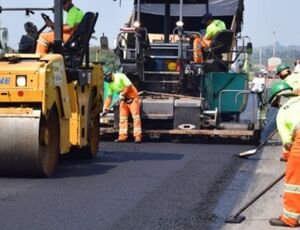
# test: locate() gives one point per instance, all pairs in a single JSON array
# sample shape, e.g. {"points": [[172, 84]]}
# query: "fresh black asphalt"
{"points": [[152, 185]]}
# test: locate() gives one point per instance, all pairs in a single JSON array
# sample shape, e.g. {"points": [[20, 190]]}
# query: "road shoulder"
{"points": [[255, 174]]}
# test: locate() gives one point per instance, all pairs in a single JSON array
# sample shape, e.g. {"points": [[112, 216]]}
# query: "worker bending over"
{"points": [[213, 27], [293, 80], [74, 17], [288, 125], [129, 103]]}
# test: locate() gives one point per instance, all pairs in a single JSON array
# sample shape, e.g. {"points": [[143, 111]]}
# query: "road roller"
{"points": [[49, 103]]}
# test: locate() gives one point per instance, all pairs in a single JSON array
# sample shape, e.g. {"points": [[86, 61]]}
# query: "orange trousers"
{"points": [[125, 110], [291, 195], [47, 38], [198, 44]]}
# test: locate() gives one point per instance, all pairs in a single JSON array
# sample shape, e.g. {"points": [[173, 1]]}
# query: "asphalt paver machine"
{"points": [[49, 104], [180, 96]]}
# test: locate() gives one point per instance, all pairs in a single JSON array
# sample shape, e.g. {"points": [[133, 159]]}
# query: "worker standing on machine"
{"points": [[74, 17], [288, 125], [213, 27], [129, 103]]}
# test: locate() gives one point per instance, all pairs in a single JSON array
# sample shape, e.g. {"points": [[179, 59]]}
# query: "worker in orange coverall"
{"points": [[288, 125], [129, 103]]}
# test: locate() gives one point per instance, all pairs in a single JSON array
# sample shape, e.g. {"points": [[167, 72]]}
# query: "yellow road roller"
{"points": [[50, 103]]}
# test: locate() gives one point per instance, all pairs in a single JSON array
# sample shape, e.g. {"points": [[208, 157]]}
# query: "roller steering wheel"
{"points": [[46, 17]]}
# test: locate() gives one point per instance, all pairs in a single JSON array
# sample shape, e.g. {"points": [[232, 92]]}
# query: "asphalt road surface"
{"points": [[152, 185]]}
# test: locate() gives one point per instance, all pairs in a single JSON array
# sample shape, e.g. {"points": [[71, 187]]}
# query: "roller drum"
{"points": [[28, 145]]}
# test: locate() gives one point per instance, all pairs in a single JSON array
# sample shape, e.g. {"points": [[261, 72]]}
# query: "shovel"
{"points": [[104, 113], [252, 152], [237, 218]]}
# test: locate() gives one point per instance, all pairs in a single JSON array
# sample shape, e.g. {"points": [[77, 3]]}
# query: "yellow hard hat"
{"points": [[172, 66]]}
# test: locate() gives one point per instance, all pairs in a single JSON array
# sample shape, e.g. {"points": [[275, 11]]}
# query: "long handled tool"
{"points": [[169, 94], [236, 218], [104, 113], [254, 151]]}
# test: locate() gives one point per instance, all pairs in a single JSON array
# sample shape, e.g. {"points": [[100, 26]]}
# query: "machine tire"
{"points": [[93, 130], [93, 137], [49, 144]]}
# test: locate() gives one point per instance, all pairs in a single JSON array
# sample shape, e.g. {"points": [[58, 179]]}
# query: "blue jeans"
{"points": [[270, 126]]}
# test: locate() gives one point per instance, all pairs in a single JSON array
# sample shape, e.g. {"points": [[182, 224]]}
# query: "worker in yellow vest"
{"points": [[214, 26], [292, 79], [129, 103], [74, 17], [288, 125]]}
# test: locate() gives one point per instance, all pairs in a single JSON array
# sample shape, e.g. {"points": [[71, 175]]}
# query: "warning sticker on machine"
{"points": [[57, 79], [58, 71]]}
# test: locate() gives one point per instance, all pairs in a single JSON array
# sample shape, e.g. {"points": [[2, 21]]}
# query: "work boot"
{"points": [[121, 139], [138, 139], [277, 222], [285, 155]]}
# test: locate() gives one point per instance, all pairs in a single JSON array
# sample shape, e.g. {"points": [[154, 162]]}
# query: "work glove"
{"points": [[104, 112], [287, 146], [285, 155], [121, 97]]}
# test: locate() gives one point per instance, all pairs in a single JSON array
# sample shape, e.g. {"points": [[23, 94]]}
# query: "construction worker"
{"points": [[288, 125], [213, 27], [74, 17], [129, 103], [297, 66], [292, 79]]}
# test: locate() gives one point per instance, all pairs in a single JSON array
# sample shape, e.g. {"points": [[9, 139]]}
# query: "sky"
{"points": [[265, 21]]}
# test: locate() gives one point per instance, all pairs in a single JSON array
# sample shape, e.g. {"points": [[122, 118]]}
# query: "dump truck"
{"points": [[49, 103], [179, 95]]}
